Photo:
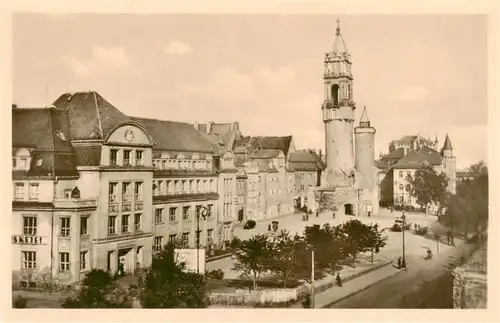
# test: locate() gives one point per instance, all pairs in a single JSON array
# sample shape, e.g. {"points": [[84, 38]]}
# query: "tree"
{"points": [[327, 244], [325, 202], [167, 284], [427, 186], [253, 257], [99, 290], [353, 234], [468, 208], [375, 240], [287, 259]]}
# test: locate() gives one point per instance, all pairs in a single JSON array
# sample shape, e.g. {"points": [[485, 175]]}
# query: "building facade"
{"points": [[393, 178], [95, 188], [307, 167]]}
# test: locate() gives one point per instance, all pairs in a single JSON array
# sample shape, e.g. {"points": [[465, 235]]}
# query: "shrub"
{"points": [[422, 231], [250, 224], [216, 274], [20, 302], [235, 242]]}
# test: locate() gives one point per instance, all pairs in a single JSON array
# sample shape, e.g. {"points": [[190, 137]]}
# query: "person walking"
{"points": [[334, 214], [339, 280], [369, 213], [399, 263]]}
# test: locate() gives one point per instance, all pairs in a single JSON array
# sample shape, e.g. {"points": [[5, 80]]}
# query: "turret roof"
{"points": [[447, 143], [338, 43]]}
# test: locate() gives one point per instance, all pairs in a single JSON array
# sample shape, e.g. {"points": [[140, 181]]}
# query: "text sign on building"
{"points": [[19, 239], [188, 256]]}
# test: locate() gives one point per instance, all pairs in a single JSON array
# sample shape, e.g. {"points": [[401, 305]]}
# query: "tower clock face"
{"points": [[129, 135]]}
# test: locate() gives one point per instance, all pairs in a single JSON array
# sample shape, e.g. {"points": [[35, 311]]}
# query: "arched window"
{"points": [[335, 94]]}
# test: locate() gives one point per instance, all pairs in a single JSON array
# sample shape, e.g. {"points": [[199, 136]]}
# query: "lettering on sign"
{"points": [[18, 239]]}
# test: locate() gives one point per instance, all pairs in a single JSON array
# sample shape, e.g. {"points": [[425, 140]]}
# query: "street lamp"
{"points": [[204, 212], [403, 217]]}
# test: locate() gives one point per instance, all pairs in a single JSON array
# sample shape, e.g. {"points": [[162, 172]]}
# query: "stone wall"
{"points": [[470, 282]]}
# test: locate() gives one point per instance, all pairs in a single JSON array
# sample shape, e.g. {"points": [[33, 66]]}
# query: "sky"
{"points": [[423, 74]]}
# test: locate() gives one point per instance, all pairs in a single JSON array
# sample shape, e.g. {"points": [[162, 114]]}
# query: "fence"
{"points": [[253, 298]]}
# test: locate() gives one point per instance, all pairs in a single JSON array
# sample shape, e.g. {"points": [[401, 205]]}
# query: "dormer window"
{"points": [[14, 162], [126, 158]]}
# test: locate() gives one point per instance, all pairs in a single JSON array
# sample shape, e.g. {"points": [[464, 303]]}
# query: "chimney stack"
{"points": [[14, 106], [320, 154]]}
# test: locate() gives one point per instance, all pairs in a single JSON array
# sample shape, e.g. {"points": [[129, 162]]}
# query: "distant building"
{"points": [[393, 180], [307, 166]]}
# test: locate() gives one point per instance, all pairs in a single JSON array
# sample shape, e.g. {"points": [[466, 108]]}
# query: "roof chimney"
{"points": [[14, 106]]}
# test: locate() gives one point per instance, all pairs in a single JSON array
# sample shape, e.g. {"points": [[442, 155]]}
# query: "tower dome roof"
{"points": [[338, 44]]}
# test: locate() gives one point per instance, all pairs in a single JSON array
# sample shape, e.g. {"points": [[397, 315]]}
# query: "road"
{"points": [[416, 246], [424, 285]]}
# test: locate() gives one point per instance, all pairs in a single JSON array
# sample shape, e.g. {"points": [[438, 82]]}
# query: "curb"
{"points": [[329, 285], [362, 289], [219, 257]]}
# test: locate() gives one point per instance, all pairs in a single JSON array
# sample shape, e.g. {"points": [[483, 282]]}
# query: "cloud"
{"points": [[101, 58], [412, 93], [177, 48]]}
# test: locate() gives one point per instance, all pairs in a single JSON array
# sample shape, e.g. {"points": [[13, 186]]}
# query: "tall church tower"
{"points": [[449, 166], [338, 110]]}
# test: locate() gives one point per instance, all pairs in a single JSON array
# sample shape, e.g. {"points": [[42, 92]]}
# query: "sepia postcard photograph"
{"points": [[249, 160]]}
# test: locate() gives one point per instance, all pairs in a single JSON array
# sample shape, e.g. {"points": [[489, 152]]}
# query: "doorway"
{"points": [[127, 258], [240, 215], [348, 209]]}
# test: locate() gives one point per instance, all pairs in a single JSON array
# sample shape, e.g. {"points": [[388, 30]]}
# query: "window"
{"points": [[29, 259], [113, 157], [172, 238], [185, 239], [138, 191], [400, 174], [126, 193], [29, 225], [158, 215], [164, 163], [185, 213], [171, 214], [83, 260], [33, 191], [126, 157], [24, 163], [111, 225], [84, 225], [65, 227], [137, 221], [113, 198], [302, 187], [210, 208], [210, 236], [63, 261], [138, 157], [125, 223], [18, 191], [400, 187], [444, 165], [158, 243], [14, 162], [67, 193]]}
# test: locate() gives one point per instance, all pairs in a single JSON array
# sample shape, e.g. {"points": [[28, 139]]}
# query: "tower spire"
{"points": [[338, 27], [364, 121]]}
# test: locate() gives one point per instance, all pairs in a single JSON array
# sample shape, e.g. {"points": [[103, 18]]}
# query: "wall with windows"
{"points": [[183, 185], [182, 160], [177, 221], [31, 244], [33, 190]]}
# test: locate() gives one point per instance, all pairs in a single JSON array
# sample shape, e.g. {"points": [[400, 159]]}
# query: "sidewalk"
{"points": [[351, 287]]}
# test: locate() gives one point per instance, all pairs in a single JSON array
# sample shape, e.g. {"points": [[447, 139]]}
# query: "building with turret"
{"points": [[349, 182], [393, 178]]}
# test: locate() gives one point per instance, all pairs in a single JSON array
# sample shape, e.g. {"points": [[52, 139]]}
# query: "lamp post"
{"points": [[312, 277], [204, 212], [403, 217]]}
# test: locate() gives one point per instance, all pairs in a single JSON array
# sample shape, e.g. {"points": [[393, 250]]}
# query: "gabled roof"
{"points": [[176, 136], [395, 154], [303, 160], [90, 115], [265, 153], [265, 142], [407, 139], [418, 158], [45, 131]]}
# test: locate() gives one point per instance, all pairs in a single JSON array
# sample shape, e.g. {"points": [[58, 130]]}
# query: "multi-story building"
{"points": [[222, 136], [393, 185], [307, 167], [270, 181], [94, 187]]}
